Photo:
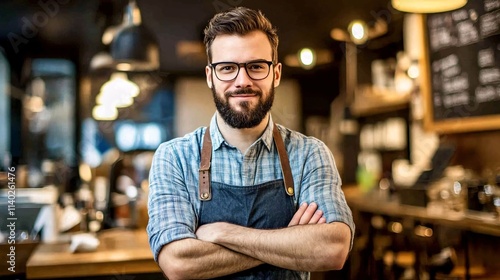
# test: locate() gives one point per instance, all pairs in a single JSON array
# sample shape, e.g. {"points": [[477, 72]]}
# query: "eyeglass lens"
{"points": [[229, 71]]}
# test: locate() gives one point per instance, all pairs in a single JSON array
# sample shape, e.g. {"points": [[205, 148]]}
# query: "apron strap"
{"points": [[204, 171], [285, 163], [206, 156]]}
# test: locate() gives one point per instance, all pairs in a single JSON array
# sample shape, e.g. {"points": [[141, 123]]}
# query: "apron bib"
{"points": [[265, 206]]}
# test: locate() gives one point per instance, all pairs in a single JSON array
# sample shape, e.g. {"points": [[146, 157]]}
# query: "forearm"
{"points": [[304, 247], [195, 259]]}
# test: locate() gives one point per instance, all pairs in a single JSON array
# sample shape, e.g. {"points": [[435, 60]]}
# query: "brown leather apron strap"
{"points": [[204, 171], [206, 156], [285, 163]]}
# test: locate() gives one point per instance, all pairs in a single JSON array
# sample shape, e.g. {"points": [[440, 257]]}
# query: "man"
{"points": [[246, 198]]}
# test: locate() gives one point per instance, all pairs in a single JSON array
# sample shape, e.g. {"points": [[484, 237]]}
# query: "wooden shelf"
{"points": [[370, 101]]}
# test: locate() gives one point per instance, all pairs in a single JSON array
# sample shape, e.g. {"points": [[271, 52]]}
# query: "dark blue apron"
{"points": [[265, 206]]}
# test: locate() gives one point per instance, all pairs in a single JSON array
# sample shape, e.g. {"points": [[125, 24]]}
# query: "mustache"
{"points": [[243, 91]]}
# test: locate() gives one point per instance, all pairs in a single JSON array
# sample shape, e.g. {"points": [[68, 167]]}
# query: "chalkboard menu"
{"points": [[464, 65]]}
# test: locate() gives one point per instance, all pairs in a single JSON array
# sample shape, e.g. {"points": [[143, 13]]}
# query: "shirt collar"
{"points": [[215, 134], [267, 136], [218, 139]]}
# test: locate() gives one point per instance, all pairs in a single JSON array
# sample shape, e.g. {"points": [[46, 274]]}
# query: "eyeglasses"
{"points": [[228, 71]]}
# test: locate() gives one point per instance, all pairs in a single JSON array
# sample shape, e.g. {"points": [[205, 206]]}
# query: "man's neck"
{"points": [[241, 138]]}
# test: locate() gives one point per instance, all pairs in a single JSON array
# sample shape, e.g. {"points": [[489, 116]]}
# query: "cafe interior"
{"points": [[405, 94]]}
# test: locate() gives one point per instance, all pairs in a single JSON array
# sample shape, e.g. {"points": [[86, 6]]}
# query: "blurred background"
{"points": [[406, 94]]}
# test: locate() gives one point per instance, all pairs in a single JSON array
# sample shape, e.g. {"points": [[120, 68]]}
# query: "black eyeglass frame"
{"points": [[244, 65]]}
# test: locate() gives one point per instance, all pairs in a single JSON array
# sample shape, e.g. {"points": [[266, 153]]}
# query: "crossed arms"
{"points": [[307, 244]]}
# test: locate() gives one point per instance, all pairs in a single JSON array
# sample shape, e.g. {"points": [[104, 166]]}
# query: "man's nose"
{"points": [[242, 79]]}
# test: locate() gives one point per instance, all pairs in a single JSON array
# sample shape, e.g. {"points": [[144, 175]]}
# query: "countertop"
{"points": [[120, 252], [368, 202]]}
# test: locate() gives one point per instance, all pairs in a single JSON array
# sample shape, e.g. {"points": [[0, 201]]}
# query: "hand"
{"points": [[307, 214], [209, 232]]}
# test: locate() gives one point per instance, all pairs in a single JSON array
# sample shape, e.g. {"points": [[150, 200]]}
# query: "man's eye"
{"points": [[255, 66], [226, 68]]}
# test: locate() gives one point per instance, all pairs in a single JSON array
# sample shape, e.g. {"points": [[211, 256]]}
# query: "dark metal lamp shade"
{"points": [[135, 49]]}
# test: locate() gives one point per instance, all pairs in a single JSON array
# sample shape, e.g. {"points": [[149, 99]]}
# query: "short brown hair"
{"points": [[240, 21]]}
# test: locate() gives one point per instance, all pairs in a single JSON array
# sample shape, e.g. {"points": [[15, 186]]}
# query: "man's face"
{"points": [[243, 102]]}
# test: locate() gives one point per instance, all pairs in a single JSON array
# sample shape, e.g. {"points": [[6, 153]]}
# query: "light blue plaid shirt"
{"points": [[173, 203]]}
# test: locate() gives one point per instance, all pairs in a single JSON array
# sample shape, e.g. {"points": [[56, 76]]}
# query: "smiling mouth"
{"points": [[243, 95]]}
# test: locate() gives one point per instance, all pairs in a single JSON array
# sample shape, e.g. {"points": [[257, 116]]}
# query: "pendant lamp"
{"points": [[134, 47], [427, 6]]}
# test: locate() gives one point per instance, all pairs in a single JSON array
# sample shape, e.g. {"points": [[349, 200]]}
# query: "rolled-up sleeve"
{"points": [[321, 183], [171, 214]]}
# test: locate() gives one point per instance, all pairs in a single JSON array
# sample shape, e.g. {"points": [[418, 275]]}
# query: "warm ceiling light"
{"points": [[120, 84], [427, 6], [358, 31], [307, 58], [104, 113], [111, 99], [118, 92]]}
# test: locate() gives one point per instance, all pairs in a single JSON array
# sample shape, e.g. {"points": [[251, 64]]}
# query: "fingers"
{"points": [[306, 217], [296, 217], [307, 214], [316, 217]]}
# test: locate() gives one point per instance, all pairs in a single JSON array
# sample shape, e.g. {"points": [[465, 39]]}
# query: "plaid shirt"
{"points": [[173, 203]]}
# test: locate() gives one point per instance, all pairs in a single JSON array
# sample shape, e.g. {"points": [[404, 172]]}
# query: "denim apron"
{"points": [[265, 206]]}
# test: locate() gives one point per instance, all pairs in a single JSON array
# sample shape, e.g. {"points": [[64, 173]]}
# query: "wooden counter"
{"points": [[369, 203], [120, 252], [478, 256]]}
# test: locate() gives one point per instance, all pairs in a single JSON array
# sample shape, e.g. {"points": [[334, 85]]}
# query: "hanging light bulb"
{"points": [[118, 92], [119, 83], [427, 6], [307, 58], [104, 113], [358, 31], [111, 99]]}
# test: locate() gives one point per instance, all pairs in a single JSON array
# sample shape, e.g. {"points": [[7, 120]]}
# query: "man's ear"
{"points": [[208, 73], [277, 74]]}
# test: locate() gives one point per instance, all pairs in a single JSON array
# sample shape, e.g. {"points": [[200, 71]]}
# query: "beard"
{"points": [[247, 117]]}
